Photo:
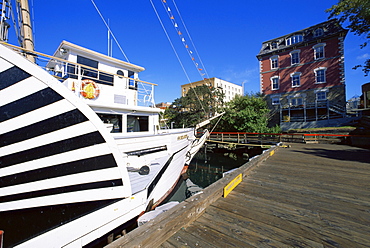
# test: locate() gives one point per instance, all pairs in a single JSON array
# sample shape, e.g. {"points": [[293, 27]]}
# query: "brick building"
{"points": [[302, 74]]}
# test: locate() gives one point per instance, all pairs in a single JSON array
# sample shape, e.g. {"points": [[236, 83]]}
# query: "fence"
{"points": [[268, 138]]}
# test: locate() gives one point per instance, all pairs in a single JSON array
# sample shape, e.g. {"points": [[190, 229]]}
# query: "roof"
{"points": [[330, 28], [92, 54]]}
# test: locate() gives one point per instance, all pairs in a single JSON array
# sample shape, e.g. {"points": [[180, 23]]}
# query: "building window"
{"points": [[274, 45], [294, 39], [297, 101], [320, 75], [275, 100], [274, 62], [319, 51], [275, 83], [294, 55], [296, 79], [318, 32], [321, 95]]}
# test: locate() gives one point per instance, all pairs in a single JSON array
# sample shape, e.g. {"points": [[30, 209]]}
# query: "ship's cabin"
{"points": [[111, 87]]}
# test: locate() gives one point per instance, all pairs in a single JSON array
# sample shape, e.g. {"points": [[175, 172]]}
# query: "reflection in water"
{"points": [[206, 167]]}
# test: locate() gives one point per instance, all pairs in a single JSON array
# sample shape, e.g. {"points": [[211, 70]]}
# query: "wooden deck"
{"points": [[308, 195]]}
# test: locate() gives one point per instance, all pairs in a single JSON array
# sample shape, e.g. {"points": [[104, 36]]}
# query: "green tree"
{"points": [[200, 103], [246, 114], [357, 13]]}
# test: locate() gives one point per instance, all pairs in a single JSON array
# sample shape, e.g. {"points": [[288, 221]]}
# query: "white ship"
{"points": [[81, 149]]}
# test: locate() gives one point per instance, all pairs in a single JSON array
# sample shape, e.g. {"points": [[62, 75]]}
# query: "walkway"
{"points": [[308, 195]]}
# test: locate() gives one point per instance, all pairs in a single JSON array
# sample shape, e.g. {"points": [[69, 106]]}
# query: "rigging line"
{"points": [[178, 31], [110, 31], [174, 50], [33, 25], [191, 40], [169, 39]]}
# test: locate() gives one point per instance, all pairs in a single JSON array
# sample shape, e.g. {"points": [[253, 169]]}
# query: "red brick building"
{"points": [[302, 74]]}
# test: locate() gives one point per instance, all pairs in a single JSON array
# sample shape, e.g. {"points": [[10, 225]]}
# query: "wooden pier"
{"points": [[305, 195]]}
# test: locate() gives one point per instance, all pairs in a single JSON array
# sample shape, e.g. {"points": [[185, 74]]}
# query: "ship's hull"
{"points": [[64, 179]]}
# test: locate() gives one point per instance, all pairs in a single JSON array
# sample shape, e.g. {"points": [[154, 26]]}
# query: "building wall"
{"points": [[310, 99], [333, 62], [229, 89]]}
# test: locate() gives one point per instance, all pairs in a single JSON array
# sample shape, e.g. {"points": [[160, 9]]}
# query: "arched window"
{"points": [[294, 39], [318, 32]]}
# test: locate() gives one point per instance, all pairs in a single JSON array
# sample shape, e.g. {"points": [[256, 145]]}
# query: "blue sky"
{"points": [[227, 35]]}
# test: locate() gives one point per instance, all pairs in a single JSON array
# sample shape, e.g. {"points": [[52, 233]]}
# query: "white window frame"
{"points": [[274, 60], [317, 70], [293, 53], [321, 98], [316, 48], [293, 76], [272, 82], [294, 39], [296, 101], [275, 100]]}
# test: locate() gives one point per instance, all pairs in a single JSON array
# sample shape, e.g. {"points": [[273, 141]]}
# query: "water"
{"points": [[208, 166]]}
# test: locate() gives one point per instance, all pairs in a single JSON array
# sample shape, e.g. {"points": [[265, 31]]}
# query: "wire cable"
{"points": [[110, 31]]}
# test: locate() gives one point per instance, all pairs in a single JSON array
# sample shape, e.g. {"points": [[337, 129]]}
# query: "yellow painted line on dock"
{"points": [[272, 153], [228, 188]]}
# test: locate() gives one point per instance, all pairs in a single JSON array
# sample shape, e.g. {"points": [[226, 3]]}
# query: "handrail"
{"points": [[70, 62], [302, 134]]}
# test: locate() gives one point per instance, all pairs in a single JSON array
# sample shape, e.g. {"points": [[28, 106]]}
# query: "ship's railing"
{"points": [[63, 69]]}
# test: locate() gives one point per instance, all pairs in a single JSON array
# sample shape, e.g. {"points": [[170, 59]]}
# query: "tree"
{"points": [[200, 103], [246, 114], [357, 13]]}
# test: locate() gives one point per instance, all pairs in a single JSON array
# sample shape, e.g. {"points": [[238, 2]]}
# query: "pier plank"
{"points": [[296, 220], [307, 195]]}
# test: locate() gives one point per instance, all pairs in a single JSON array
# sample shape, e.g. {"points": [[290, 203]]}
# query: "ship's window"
{"points": [[105, 78], [112, 121], [132, 83], [90, 73], [137, 123], [119, 72]]}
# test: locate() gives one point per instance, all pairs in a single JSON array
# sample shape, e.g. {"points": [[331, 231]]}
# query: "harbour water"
{"points": [[208, 166]]}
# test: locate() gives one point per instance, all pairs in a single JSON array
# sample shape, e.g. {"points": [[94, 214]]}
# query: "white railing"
{"points": [[63, 69]]}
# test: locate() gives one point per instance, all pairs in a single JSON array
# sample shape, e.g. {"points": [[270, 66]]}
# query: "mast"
{"points": [[26, 27]]}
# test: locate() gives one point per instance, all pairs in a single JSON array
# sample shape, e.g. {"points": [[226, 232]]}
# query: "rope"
{"points": [[191, 40], [177, 56], [110, 31], [216, 124]]}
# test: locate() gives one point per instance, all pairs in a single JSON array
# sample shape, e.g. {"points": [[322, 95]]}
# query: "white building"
{"points": [[229, 89]]}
